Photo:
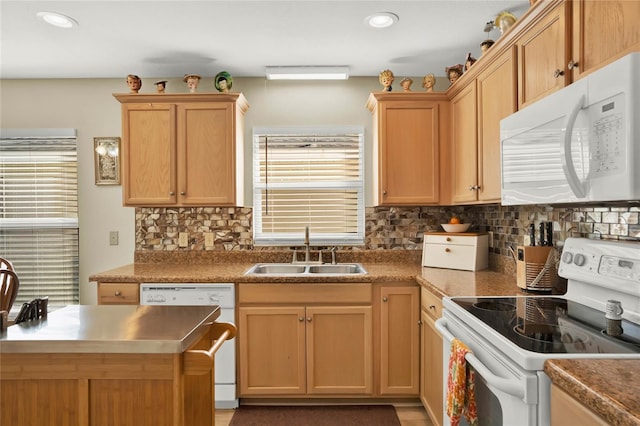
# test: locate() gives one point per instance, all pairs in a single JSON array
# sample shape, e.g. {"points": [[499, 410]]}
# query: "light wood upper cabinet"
{"points": [[399, 340], [543, 54], [407, 132], [464, 152], [603, 31], [496, 91], [477, 107], [183, 149]]}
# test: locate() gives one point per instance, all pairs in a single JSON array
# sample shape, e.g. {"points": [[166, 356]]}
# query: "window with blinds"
{"points": [[308, 177], [39, 212]]}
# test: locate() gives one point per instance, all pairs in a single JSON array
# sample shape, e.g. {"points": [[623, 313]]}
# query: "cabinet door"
{"points": [[602, 32], [206, 152], [464, 145], [431, 386], [543, 54], [399, 341], [496, 100], [339, 350], [409, 163], [272, 350], [149, 154], [566, 410]]}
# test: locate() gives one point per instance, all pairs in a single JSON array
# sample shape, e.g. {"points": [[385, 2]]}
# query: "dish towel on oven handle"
{"points": [[461, 388]]}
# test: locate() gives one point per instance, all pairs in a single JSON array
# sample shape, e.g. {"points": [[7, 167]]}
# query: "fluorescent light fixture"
{"points": [[57, 19], [381, 19], [308, 73]]}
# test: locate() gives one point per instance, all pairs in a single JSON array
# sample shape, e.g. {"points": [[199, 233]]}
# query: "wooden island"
{"points": [[112, 365]]}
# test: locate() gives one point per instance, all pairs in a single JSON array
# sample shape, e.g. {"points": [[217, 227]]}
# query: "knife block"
{"points": [[530, 261]]}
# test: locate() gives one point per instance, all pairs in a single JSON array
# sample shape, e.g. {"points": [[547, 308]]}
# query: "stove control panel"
{"points": [[611, 266]]}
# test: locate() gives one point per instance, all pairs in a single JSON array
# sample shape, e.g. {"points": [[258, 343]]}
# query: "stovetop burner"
{"points": [[552, 324]]}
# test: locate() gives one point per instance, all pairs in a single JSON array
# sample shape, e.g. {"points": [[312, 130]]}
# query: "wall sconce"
{"points": [[107, 160]]}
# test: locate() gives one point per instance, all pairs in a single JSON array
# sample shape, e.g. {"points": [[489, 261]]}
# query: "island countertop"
{"points": [[111, 329]]}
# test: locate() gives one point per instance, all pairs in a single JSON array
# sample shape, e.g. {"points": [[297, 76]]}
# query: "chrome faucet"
{"points": [[333, 255], [307, 255]]}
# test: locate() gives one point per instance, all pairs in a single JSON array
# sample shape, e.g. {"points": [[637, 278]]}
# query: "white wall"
{"points": [[88, 106]]}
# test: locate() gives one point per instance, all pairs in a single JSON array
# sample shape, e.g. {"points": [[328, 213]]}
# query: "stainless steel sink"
{"points": [[292, 269], [276, 269], [350, 268]]}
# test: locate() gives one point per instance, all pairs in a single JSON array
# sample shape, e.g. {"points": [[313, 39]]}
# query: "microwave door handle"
{"points": [[507, 386], [568, 167]]}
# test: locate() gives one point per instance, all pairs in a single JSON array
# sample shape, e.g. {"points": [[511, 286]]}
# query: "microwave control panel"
{"points": [[607, 136]]}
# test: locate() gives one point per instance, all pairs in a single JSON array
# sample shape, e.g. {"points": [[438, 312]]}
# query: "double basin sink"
{"points": [[292, 269]]}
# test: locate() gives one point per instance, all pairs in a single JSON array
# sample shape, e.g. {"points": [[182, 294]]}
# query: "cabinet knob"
{"points": [[117, 293], [572, 64], [474, 187], [300, 319], [385, 299], [448, 238], [447, 250], [557, 73], [182, 193], [308, 319], [171, 193], [384, 192], [432, 307]]}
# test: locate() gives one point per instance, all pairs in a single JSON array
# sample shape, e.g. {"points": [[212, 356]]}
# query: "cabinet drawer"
{"points": [[118, 293], [450, 238], [431, 303], [334, 293]]}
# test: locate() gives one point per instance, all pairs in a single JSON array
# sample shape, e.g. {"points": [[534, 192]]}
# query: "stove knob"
{"points": [[567, 257], [579, 259]]}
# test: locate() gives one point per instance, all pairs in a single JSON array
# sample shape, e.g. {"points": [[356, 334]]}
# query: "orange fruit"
{"points": [[454, 220]]}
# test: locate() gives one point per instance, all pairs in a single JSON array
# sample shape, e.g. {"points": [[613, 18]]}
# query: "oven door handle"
{"points": [[505, 385]]}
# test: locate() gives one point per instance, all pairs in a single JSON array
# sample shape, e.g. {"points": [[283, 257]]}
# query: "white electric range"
{"points": [[511, 337]]}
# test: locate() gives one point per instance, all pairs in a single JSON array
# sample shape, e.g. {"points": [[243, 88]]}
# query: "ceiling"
{"points": [[171, 38]]}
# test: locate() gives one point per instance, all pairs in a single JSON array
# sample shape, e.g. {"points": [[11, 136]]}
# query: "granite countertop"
{"points": [[610, 388], [441, 282], [111, 329]]}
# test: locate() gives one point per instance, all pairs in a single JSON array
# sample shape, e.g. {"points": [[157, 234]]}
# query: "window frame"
{"points": [[296, 238]]}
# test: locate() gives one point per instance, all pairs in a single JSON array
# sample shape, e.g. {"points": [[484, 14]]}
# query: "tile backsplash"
{"points": [[387, 228]]}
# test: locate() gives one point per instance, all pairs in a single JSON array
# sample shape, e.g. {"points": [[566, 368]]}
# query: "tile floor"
{"points": [[409, 416]]}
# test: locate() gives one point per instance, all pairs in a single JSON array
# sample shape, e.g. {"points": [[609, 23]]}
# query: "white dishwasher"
{"points": [[198, 294]]}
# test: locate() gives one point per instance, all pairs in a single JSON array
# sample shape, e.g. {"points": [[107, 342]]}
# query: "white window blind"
{"points": [[39, 212], [308, 177]]}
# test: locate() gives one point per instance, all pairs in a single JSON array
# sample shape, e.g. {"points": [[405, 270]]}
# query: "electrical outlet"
{"points": [[113, 238], [490, 233], [208, 239], [183, 239]]}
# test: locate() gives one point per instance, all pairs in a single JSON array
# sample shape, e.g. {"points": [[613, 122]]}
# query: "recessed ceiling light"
{"points": [[57, 19], [381, 19]]}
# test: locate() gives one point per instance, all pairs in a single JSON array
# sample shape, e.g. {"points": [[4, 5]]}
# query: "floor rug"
{"points": [[333, 415]]}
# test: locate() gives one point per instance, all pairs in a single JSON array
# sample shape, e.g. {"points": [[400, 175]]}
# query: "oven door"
{"points": [[505, 394]]}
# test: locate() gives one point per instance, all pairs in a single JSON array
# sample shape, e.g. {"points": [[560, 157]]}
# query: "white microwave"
{"points": [[579, 144]]}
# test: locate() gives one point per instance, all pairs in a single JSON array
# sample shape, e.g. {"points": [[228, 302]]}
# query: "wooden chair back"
{"points": [[9, 285], [6, 264]]}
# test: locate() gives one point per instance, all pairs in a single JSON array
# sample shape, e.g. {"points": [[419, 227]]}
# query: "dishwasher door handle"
{"points": [[507, 386], [198, 361]]}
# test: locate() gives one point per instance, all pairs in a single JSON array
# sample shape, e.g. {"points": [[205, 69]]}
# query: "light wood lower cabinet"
{"points": [[87, 389], [118, 293], [305, 340], [399, 308], [566, 410], [431, 374]]}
